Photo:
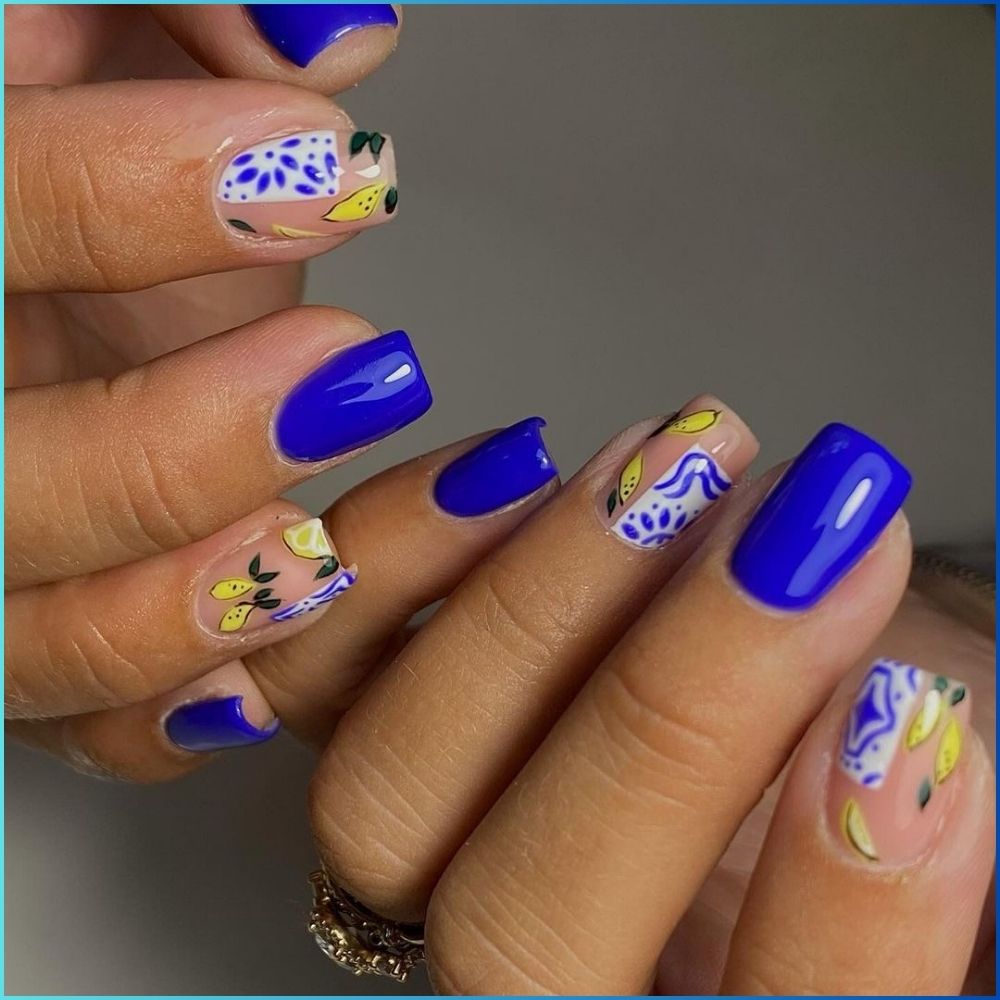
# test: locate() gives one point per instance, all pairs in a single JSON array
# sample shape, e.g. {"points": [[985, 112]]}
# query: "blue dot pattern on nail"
{"points": [[827, 510], [215, 724], [360, 395], [505, 468], [300, 31], [268, 172]]}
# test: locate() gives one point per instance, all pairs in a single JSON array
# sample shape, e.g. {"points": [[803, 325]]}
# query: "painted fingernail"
{"points": [[505, 468], [275, 577], [307, 184], [300, 31], [826, 511], [893, 779], [360, 395], [217, 724], [680, 470]]}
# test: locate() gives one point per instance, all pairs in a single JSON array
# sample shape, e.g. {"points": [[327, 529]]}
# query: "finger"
{"points": [[443, 513], [57, 43], [889, 816], [102, 472], [325, 47], [507, 651], [160, 739], [209, 176], [643, 781], [131, 633]]}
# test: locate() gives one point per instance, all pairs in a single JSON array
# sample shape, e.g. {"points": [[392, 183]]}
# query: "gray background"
{"points": [[604, 211]]}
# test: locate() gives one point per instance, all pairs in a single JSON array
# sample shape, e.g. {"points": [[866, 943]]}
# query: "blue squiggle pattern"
{"points": [[319, 597]]}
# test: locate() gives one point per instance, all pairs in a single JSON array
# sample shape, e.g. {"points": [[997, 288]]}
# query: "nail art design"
{"points": [[274, 578], [300, 31], [827, 510], [505, 468], [309, 184], [215, 724], [900, 746], [359, 395], [665, 487]]}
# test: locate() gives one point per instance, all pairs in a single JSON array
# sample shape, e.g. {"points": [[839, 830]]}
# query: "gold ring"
{"points": [[356, 939]]}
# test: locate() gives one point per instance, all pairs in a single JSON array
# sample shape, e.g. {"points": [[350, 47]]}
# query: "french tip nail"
{"points": [[215, 724]]}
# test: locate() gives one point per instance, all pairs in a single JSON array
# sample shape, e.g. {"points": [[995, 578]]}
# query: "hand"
{"points": [[553, 766]]}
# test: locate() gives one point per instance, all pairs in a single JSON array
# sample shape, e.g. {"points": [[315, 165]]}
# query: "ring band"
{"points": [[358, 940]]}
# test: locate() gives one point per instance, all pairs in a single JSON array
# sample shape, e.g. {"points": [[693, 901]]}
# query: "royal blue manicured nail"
{"points": [[501, 470], [827, 510], [300, 31], [219, 724], [360, 395]]}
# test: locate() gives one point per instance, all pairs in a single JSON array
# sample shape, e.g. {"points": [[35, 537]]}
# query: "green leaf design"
{"points": [[240, 224], [263, 594], [269, 605], [940, 683], [375, 142], [924, 793], [254, 567], [329, 567], [358, 142], [612, 501], [391, 200], [957, 695], [265, 577]]}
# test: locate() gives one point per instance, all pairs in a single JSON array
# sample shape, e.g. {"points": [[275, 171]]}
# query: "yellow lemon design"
{"points": [[629, 479], [358, 206], [856, 831], [235, 586], [693, 423], [235, 618], [308, 539], [295, 234], [925, 720], [948, 751]]}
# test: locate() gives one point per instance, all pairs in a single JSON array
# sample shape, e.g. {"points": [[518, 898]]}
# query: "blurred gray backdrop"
{"points": [[604, 210]]}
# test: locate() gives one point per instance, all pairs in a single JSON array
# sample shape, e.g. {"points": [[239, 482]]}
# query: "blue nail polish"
{"points": [[827, 510], [360, 395], [219, 724], [506, 467], [300, 31]]}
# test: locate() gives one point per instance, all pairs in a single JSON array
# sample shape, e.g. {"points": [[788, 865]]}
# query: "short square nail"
{"points": [[216, 724], [360, 395], [676, 475], [893, 776], [505, 468], [826, 511], [300, 31], [301, 185], [275, 577]]}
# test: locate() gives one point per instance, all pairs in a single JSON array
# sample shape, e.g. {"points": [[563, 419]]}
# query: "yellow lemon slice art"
{"points": [[235, 586], [358, 206], [235, 618], [693, 423], [856, 831], [925, 720], [308, 539], [948, 751], [295, 234], [629, 479]]}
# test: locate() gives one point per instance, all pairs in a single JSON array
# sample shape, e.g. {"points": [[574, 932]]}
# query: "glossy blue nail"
{"points": [[300, 31], [827, 510], [504, 468], [360, 395], [219, 724]]}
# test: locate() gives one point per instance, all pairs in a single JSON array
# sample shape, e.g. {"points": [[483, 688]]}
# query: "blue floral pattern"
{"points": [[289, 168]]}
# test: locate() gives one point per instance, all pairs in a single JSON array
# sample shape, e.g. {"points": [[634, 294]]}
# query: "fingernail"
{"points": [[360, 395], [307, 184], [827, 510], [300, 31], [677, 473], [278, 576], [505, 468], [893, 778], [218, 724]]}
